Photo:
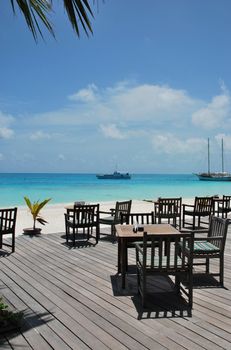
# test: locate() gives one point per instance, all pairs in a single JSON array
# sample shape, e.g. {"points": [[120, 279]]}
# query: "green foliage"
{"points": [[35, 208], [8, 319]]}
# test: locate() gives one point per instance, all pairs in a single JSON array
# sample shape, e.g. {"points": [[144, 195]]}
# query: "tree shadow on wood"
{"points": [[29, 320]]}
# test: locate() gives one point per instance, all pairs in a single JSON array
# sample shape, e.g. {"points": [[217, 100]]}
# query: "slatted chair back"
{"points": [[85, 215], [122, 208], [203, 205], [7, 226], [225, 206], [82, 217], [165, 255], [138, 218], [168, 208], [218, 232]]}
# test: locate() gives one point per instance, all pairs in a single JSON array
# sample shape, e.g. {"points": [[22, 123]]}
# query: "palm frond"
{"points": [[36, 11], [32, 8], [77, 10]]}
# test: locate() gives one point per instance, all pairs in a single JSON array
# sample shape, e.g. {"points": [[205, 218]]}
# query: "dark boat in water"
{"points": [[215, 176], [115, 176]]}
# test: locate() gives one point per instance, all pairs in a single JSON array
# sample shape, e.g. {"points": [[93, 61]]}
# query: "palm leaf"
{"points": [[32, 8], [36, 11]]}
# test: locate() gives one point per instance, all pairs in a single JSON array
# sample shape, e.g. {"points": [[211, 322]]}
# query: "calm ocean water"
{"points": [[63, 188]]}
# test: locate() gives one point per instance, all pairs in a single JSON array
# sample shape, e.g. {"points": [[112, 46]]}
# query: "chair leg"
{"points": [[193, 225], [183, 219], [73, 243], [222, 270], [207, 266], [13, 242], [177, 284], [0, 241], [190, 290], [143, 288]]}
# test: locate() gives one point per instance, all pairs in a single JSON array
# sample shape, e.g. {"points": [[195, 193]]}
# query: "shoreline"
{"points": [[54, 214]]}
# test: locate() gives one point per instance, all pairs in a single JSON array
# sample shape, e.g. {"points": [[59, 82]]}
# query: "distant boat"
{"points": [[115, 176], [215, 176]]}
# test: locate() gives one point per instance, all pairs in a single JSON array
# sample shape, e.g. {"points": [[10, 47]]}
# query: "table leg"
{"points": [[123, 261], [119, 256]]}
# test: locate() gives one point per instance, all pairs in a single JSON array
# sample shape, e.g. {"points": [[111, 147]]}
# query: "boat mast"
{"points": [[208, 158], [222, 155]]}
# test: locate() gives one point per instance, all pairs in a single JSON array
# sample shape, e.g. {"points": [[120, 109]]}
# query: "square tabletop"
{"points": [[126, 231]]}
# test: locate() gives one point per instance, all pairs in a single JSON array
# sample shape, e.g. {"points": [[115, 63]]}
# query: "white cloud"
{"points": [[216, 114], [85, 95], [170, 144], [112, 131], [124, 102], [61, 156], [6, 119], [38, 135], [6, 133]]}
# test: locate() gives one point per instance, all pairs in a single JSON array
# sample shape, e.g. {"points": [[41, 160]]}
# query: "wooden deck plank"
{"points": [[162, 331], [192, 347], [75, 302], [71, 292]]}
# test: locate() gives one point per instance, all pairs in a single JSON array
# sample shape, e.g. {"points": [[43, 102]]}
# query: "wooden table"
{"points": [[126, 235]]}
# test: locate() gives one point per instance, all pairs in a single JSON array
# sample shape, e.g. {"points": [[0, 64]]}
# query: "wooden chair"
{"points": [[224, 207], [212, 246], [168, 209], [114, 216], [203, 207], [135, 219], [152, 260], [7, 226], [80, 222]]}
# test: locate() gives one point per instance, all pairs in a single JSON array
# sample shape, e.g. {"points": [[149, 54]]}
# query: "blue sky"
{"points": [[144, 92]]}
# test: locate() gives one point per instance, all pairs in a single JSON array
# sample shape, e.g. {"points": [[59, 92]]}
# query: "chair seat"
{"points": [[108, 220], [205, 247], [82, 225]]}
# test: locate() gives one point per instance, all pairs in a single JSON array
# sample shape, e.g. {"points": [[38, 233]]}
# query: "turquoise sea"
{"points": [[64, 188]]}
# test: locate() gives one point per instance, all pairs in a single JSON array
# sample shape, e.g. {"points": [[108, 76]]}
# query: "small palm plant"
{"points": [[35, 209]]}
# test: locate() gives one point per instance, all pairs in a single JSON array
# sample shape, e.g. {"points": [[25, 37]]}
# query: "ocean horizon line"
{"points": [[71, 187]]}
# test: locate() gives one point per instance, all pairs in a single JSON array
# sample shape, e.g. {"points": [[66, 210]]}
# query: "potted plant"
{"points": [[35, 208]]}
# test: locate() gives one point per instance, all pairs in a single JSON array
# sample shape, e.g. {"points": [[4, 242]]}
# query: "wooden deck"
{"points": [[72, 299]]}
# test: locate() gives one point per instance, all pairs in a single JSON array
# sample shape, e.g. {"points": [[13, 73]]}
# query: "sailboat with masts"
{"points": [[215, 176]]}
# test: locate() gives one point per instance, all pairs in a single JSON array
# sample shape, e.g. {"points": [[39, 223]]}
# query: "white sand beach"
{"points": [[54, 214]]}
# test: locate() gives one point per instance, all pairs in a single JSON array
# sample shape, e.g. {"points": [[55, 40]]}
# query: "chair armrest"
{"points": [[209, 238], [185, 230], [68, 216], [187, 205], [105, 212]]}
